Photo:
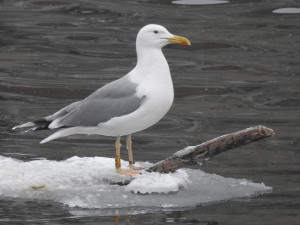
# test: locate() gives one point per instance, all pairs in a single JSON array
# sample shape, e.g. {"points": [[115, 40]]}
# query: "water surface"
{"points": [[242, 70]]}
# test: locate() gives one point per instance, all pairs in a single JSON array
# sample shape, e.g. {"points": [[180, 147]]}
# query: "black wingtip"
{"points": [[41, 124]]}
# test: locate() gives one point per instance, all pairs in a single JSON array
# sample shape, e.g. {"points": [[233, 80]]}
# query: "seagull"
{"points": [[130, 104]]}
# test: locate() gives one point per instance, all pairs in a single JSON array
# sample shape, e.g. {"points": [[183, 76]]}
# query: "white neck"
{"points": [[149, 58], [151, 67]]}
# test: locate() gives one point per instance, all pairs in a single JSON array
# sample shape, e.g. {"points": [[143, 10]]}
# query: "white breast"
{"points": [[156, 87]]}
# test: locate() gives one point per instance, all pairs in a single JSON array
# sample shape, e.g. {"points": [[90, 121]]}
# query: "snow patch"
{"points": [[187, 150], [149, 183]]}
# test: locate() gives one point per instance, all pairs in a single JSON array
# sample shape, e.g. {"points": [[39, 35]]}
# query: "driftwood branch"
{"points": [[193, 154]]}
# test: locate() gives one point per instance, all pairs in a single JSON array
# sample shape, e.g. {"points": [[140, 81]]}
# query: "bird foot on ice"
{"points": [[136, 167], [129, 172]]}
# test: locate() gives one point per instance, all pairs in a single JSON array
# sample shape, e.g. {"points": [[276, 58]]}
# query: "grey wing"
{"points": [[113, 100], [122, 87], [63, 111], [92, 112]]}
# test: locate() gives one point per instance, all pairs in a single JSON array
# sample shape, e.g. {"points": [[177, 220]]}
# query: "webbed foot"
{"points": [[129, 172]]}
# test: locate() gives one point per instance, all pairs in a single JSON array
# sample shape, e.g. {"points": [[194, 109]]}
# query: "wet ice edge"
{"points": [[90, 182]]}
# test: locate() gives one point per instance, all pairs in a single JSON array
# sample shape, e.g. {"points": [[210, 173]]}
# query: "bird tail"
{"points": [[40, 124], [60, 133], [43, 124]]}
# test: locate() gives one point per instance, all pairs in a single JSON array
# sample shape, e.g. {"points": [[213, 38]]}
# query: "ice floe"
{"points": [[93, 183]]}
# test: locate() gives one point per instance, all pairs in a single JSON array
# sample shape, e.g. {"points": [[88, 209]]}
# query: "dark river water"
{"points": [[242, 70]]}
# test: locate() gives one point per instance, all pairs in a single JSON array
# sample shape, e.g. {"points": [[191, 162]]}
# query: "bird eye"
{"points": [[155, 32]]}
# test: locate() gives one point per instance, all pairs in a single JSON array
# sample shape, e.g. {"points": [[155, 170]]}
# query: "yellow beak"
{"points": [[179, 40]]}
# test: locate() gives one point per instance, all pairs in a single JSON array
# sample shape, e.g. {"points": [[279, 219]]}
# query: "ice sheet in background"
{"points": [[199, 2], [90, 183], [287, 10]]}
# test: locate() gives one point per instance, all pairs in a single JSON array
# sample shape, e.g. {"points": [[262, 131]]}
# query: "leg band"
{"points": [[118, 162]]}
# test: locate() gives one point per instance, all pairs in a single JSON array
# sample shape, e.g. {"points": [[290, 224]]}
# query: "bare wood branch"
{"points": [[191, 155]]}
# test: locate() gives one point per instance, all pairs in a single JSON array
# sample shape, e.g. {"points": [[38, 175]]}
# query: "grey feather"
{"points": [[120, 88], [112, 100], [63, 111]]}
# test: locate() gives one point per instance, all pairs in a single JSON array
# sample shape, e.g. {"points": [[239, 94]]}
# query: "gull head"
{"points": [[156, 36]]}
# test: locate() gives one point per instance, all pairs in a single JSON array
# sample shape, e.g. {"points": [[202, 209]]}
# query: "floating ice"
{"points": [[92, 183], [199, 2], [287, 10]]}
